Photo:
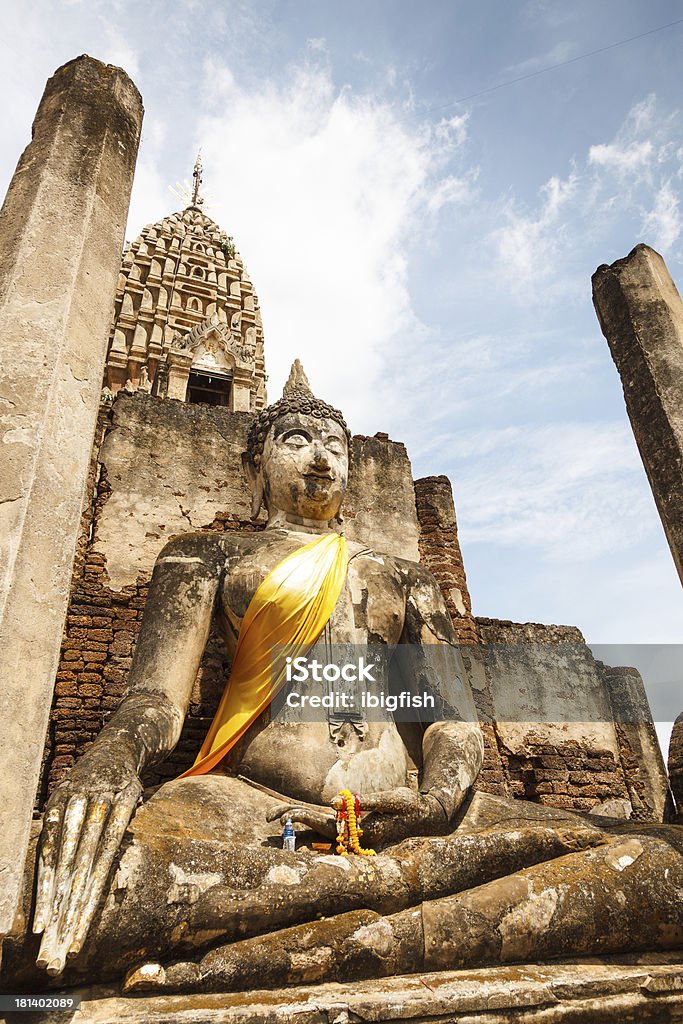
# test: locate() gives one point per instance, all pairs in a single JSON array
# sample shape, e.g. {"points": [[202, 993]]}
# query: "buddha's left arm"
{"points": [[452, 745], [428, 662]]}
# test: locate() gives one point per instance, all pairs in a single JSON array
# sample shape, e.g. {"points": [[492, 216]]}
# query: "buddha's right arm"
{"points": [[172, 638], [89, 811]]}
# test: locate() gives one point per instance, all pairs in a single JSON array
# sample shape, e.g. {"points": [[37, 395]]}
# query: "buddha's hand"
{"points": [[318, 818], [83, 826], [391, 815]]}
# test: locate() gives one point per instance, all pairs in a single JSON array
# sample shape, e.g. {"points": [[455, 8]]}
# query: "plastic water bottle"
{"points": [[288, 837]]}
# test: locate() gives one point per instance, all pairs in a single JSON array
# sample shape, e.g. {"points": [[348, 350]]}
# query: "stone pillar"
{"points": [[675, 763], [641, 315], [240, 392], [640, 753], [179, 365], [440, 551], [61, 234]]}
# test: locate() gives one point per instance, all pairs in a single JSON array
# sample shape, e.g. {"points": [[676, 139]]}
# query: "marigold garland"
{"points": [[348, 826]]}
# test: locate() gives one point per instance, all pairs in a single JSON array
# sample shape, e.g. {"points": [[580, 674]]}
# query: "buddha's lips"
{"points": [[319, 476]]}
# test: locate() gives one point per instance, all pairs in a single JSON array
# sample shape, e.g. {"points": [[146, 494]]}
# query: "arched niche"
{"points": [[210, 380]]}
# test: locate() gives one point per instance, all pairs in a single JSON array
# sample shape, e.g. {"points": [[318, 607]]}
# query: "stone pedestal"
{"points": [[641, 315], [647, 989], [61, 234]]}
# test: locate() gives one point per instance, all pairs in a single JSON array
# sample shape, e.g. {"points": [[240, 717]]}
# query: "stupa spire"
{"points": [[197, 200]]}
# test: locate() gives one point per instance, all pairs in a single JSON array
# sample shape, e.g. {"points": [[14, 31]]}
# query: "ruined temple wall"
{"points": [[440, 552], [580, 754]]}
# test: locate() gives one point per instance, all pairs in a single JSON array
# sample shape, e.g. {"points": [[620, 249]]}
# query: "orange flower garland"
{"points": [[348, 826]]}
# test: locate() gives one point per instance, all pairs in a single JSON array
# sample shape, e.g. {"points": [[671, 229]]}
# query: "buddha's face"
{"points": [[305, 467]]}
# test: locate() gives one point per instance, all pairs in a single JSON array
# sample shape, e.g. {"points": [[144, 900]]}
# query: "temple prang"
{"points": [[187, 323]]}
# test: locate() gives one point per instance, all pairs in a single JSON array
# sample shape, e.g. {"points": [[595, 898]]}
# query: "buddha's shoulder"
{"points": [[406, 570], [210, 545]]}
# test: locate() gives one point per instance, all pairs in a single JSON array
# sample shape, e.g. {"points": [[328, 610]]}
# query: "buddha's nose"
{"points": [[320, 454]]}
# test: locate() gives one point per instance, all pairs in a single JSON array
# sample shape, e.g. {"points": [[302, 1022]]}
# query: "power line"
{"points": [[552, 67]]}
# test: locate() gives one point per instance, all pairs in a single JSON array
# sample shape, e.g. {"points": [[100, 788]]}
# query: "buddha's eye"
{"points": [[296, 439], [334, 445]]}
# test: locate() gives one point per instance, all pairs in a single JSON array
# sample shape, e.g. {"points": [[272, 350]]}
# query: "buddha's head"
{"points": [[297, 457]]}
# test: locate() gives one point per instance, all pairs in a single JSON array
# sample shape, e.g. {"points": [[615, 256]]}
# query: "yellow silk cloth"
{"points": [[289, 611]]}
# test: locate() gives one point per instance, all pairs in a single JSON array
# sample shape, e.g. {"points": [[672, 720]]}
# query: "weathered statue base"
{"points": [[646, 988]]}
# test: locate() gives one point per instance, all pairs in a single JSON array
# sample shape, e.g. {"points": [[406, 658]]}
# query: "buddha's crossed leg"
{"points": [[202, 867]]}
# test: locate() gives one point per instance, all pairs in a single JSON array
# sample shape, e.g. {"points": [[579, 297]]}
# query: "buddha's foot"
{"points": [[620, 897]]}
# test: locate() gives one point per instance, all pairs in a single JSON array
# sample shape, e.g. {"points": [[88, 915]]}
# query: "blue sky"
{"points": [[430, 259]]}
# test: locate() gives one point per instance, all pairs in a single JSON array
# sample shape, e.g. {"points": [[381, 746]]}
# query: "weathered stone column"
{"points": [[240, 392], [639, 750], [641, 315], [61, 234], [675, 763], [179, 366], [440, 551]]}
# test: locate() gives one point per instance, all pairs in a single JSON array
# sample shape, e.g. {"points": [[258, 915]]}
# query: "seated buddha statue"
{"points": [[189, 888]]}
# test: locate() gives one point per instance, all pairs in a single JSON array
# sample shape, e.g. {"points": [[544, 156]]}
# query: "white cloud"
{"points": [[526, 246], [116, 49], [562, 51], [663, 224], [624, 159], [574, 491], [624, 184]]}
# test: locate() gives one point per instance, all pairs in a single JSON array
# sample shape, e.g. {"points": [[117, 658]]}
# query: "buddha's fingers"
{"points": [[84, 862], [50, 839], [153, 977], [334, 949], [319, 821], [278, 810], [120, 816], [70, 837], [397, 801]]}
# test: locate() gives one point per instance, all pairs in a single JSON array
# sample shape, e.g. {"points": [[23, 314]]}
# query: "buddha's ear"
{"points": [[249, 469], [255, 480]]}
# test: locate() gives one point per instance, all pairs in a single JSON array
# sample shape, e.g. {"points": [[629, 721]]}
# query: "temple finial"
{"points": [[197, 176], [297, 380]]}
